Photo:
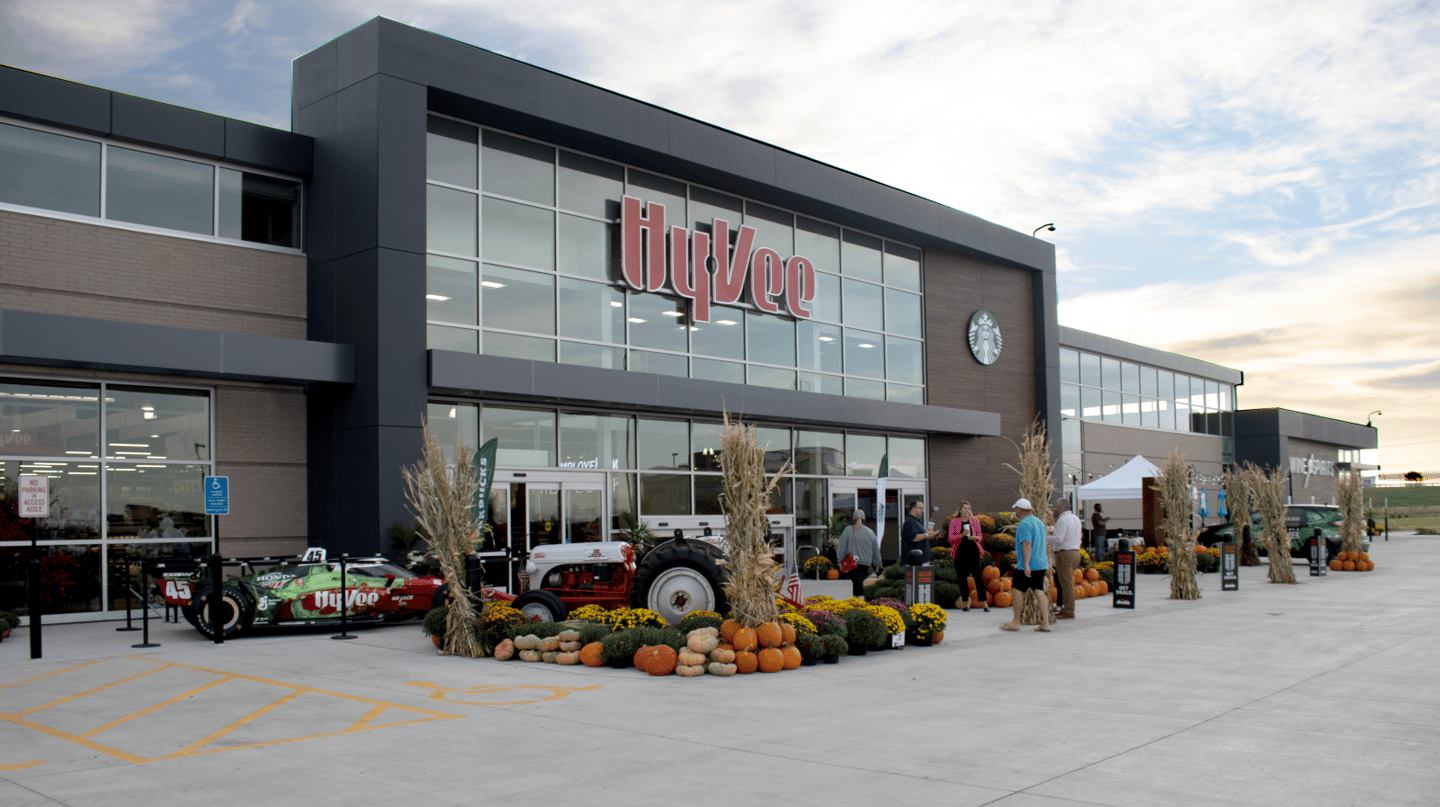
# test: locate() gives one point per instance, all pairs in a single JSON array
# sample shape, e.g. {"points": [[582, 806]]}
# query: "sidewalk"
{"points": [[1323, 693]]}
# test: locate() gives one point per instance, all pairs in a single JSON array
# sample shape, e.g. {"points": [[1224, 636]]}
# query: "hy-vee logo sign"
{"points": [[686, 264], [354, 598]]}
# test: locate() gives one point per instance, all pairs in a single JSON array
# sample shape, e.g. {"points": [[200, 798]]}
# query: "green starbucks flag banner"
{"points": [[485, 474], [880, 498]]}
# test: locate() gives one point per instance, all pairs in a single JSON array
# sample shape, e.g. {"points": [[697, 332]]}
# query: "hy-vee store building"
{"points": [[452, 235]]}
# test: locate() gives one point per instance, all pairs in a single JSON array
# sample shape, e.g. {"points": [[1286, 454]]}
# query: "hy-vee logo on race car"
{"points": [[354, 598]]}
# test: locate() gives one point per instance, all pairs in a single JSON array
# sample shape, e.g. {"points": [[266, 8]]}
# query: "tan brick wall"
{"points": [[973, 468], [54, 266]]}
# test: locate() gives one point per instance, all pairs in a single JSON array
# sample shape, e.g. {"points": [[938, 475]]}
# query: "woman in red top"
{"points": [[964, 537]]}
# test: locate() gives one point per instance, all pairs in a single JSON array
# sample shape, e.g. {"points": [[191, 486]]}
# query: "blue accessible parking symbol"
{"points": [[217, 495]]}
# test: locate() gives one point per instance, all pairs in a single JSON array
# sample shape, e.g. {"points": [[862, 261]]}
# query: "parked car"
{"points": [[1302, 521]]}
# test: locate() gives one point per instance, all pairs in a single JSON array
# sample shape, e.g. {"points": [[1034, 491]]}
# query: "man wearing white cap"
{"points": [[1030, 566]]}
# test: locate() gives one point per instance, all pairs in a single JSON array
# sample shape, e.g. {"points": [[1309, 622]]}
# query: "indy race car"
{"points": [[304, 591]]}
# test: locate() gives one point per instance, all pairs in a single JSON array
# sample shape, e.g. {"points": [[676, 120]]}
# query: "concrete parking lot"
{"points": [[1326, 692]]}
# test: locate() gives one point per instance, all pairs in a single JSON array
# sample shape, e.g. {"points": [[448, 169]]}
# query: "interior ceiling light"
{"points": [[635, 319], [725, 322], [490, 284], [439, 298]]}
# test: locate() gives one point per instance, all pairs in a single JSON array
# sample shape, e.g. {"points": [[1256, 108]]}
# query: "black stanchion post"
{"points": [[217, 596], [344, 611], [34, 605], [145, 611], [129, 585]]}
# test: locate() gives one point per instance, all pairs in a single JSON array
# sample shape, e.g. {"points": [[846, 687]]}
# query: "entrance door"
{"points": [[530, 509], [848, 495]]}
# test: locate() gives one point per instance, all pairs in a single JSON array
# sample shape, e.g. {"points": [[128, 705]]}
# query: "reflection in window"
{"points": [[902, 266], [771, 339], [452, 422], [590, 186], [903, 360], [515, 346], [708, 488], [587, 247], [864, 354], [665, 494], [451, 290], [157, 424], [526, 438], [864, 306], [728, 372], [259, 209], [156, 501], [902, 313], [450, 152], [449, 221], [54, 419], [863, 453], [596, 441], [517, 300], [904, 393], [858, 388], [519, 234], [588, 355], [663, 444], [644, 361], [657, 321], [520, 169], [776, 377], [594, 311], [819, 347], [907, 457], [159, 191], [723, 336], [460, 340], [50, 171], [74, 502], [860, 256]]}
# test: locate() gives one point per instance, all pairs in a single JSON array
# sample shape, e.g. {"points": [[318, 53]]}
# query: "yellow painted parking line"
{"points": [[23, 765], [246, 720], [101, 688], [47, 675], [74, 738], [443, 694], [147, 710]]}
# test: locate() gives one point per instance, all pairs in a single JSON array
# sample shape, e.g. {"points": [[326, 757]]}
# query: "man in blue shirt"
{"points": [[1031, 564]]}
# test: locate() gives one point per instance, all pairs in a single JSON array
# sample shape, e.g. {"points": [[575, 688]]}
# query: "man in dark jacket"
{"points": [[914, 536]]}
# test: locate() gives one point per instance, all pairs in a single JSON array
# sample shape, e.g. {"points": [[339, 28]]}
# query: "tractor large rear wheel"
{"points": [[678, 577]]}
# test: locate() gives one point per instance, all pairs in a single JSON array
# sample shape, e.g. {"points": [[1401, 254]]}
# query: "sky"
{"points": [[1251, 183]]}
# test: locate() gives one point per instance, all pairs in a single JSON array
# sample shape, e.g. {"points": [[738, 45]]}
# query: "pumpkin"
{"points": [[1364, 555], [528, 642], [505, 650], [690, 658], [702, 643], [568, 636], [744, 639], [548, 656], [1079, 576], [1343, 556], [1005, 584], [662, 660], [990, 599], [1349, 565], [727, 630], [1004, 599], [791, 655], [689, 670], [768, 635], [787, 634], [991, 573], [710, 631], [832, 574], [641, 658], [1093, 575], [970, 583], [1104, 588], [746, 662], [724, 655], [567, 658], [939, 637], [569, 647], [550, 644], [1080, 593], [993, 586], [716, 668], [590, 655], [1336, 565], [529, 655], [770, 660]]}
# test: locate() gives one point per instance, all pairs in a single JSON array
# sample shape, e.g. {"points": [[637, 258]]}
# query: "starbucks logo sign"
{"points": [[984, 337]]}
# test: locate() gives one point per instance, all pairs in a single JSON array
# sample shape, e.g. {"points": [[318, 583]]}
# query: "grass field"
{"points": [[1411, 522], [1405, 496]]}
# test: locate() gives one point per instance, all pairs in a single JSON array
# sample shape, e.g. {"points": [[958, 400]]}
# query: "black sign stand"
{"points": [[217, 595], [1124, 593], [1317, 557], [129, 588], [144, 610], [33, 606], [1229, 567], [344, 611]]}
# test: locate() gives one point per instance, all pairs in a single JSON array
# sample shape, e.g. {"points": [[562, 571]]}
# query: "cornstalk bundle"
{"points": [[1036, 484], [1238, 496], [1352, 510], [440, 497], [1269, 487], [745, 499], [1174, 486]]}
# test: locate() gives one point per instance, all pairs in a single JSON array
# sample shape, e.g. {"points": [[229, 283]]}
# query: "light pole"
{"points": [[1368, 419], [1050, 227]]}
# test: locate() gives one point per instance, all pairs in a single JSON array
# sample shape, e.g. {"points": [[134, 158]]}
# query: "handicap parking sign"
{"points": [[217, 495]]}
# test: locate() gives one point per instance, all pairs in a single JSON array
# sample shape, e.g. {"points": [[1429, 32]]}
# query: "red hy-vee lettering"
{"points": [[647, 264]]}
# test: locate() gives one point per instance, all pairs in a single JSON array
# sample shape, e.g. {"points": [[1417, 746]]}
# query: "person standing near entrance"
{"points": [[964, 537], [1031, 564], [1067, 556], [913, 535], [858, 541]]}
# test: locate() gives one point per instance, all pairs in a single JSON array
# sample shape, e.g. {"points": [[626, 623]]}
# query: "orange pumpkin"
{"points": [[768, 635], [590, 655], [1364, 555], [1092, 575], [1081, 592], [976, 599], [991, 573], [1079, 576], [970, 583], [787, 633], [1349, 565], [990, 599], [745, 662], [641, 658], [993, 586], [1342, 556], [1004, 599], [939, 636], [1336, 565], [661, 660], [770, 660], [792, 656], [832, 574], [1104, 588], [1005, 583], [744, 639], [727, 630]]}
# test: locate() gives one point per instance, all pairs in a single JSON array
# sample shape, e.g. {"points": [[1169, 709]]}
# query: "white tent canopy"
{"points": [[1121, 483]]}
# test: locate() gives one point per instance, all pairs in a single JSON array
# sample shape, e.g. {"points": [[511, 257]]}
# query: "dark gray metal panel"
{"points": [[45, 99], [173, 127], [400, 168], [399, 370], [63, 341], [358, 56], [696, 142], [355, 145], [479, 376], [273, 149], [312, 78], [322, 194], [1047, 359]]}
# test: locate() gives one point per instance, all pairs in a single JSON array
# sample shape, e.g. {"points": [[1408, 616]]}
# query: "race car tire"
{"points": [[678, 577], [541, 606], [441, 596], [238, 614]]}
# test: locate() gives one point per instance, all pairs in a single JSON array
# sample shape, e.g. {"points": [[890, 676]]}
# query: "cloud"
{"points": [[92, 37]]}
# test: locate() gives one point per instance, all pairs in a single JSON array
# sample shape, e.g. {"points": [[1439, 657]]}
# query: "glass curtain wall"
{"points": [[1110, 390], [125, 466]]}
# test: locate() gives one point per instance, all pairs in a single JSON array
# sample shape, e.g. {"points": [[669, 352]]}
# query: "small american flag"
{"points": [[792, 589]]}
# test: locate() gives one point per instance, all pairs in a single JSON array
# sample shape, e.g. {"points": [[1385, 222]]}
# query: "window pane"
{"points": [[722, 336], [643, 361], [860, 256], [159, 191], [664, 495], [49, 420], [517, 168], [449, 221], [594, 311], [1110, 374], [707, 495], [770, 338], [596, 441], [587, 355], [729, 372], [773, 228], [776, 444], [664, 444], [907, 458], [819, 453], [706, 206], [864, 355], [451, 290], [826, 306], [157, 424], [260, 209], [810, 505], [462, 340], [1149, 413], [657, 321], [1166, 391], [1167, 414], [526, 437], [39, 169], [823, 384], [517, 300], [1148, 383], [1182, 390], [1069, 400], [79, 563], [1110, 406], [1089, 369], [157, 501], [1212, 395], [1226, 394], [902, 393], [902, 266], [1130, 409], [450, 151], [75, 513], [668, 192], [1129, 377], [862, 454], [705, 445], [1090, 403], [819, 347], [874, 390], [818, 241], [863, 306], [902, 313], [590, 186], [452, 423], [622, 502], [531, 348], [1069, 366], [516, 233], [770, 377], [903, 360], [587, 247]]}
